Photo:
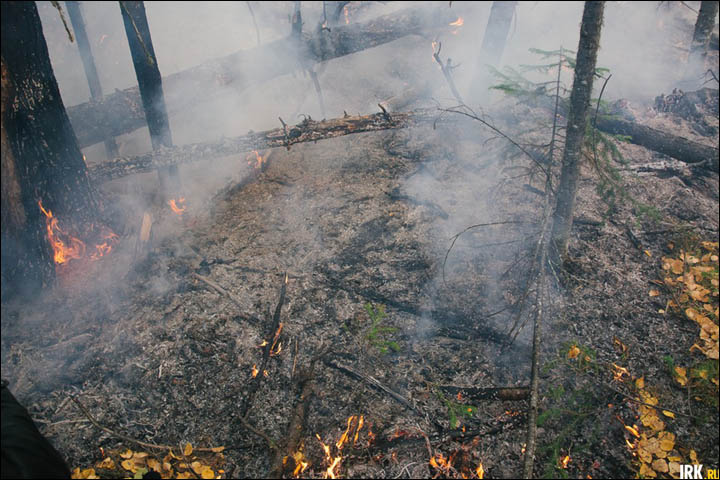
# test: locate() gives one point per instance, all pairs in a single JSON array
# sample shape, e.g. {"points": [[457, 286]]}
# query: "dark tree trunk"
{"points": [[150, 84], [703, 30], [41, 160], [122, 112], [88, 62], [579, 104], [493, 44]]}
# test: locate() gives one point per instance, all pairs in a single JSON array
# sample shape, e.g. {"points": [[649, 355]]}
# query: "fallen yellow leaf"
{"points": [[573, 352], [654, 293], [668, 414], [188, 449]]}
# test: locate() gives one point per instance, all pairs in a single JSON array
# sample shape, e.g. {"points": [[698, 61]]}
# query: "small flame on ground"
{"points": [[347, 15], [480, 471], [255, 371], [179, 206], [458, 23], [300, 463], [354, 422], [565, 461], [619, 372], [259, 160]]}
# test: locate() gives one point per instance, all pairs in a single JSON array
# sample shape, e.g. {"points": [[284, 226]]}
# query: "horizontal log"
{"points": [[668, 144], [306, 131], [121, 112]]}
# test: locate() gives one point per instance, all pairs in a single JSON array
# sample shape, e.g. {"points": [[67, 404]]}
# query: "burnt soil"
{"points": [[157, 354]]}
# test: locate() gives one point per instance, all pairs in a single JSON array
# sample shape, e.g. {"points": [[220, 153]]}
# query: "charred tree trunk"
{"points": [[703, 30], [121, 112], [577, 119], [41, 160], [501, 15], [78, 25], [150, 84]]}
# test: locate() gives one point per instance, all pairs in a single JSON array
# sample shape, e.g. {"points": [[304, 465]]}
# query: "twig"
{"points": [[57, 5], [446, 72], [130, 439], [252, 14], [318, 90]]}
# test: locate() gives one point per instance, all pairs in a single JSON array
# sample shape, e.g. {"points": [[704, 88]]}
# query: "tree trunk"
{"points": [[496, 33], [703, 30], [121, 112], [150, 84], [41, 160], [577, 119], [88, 62]]}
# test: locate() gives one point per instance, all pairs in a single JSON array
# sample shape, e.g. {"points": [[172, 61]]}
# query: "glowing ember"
{"points": [[565, 461], [264, 343], [480, 471], [458, 23], [179, 206]]}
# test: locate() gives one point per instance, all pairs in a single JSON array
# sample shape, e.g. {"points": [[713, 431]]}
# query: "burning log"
{"points": [[306, 131], [122, 112]]}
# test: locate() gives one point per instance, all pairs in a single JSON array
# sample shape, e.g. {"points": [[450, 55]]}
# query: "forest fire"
{"points": [[177, 206], [354, 424], [67, 247]]}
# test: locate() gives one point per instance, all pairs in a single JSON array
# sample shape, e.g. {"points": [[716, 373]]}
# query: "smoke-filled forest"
{"points": [[360, 239]]}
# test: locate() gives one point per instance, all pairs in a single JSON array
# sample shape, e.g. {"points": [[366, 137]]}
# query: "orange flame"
{"points": [[255, 371], [354, 422], [480, 471], [259, 159], [565, 461], [178, 207], [347, 15], [63, 251], [458, 23]]}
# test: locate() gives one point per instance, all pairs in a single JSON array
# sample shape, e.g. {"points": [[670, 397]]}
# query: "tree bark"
{"points": [[121, 112], [41, 160], [150, 85], [96, 94], [703, 30], [577, 120]]}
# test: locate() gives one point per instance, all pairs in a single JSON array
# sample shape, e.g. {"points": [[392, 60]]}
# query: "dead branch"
{"points": [[122, 112], [491, 393], [130, 439], [306, 131]]}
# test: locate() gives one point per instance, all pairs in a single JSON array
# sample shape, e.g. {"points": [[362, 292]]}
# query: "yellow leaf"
{"points": [[674, 468], [640, 383], [217, 449], [648, 253], [693, 456], [153, 464], [184, 475], [207, 472], [573, 352], [660, 465], [667, 441], [668, 414], [197, 467], [127, 454], [106, 463], [674, 458], [129, 465], [188, 449], [646, 471], [654, 293], [644, 455], [676, 266], [680, 375]]}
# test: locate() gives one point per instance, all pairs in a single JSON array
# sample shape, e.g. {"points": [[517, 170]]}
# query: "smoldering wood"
{"points": [[96, 94], [122, 112], [306, 131], [488, 393], [680, 148]]}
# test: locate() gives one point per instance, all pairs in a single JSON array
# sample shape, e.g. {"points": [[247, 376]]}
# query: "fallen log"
{"points": [[306, 131], [121, 112], [668, 144]]}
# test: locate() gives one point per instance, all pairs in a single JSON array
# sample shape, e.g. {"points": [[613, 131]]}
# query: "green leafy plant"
{"points": [[456, 411], [380, 335]]}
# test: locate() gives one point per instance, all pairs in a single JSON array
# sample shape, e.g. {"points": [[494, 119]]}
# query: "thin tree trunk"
{"points": [[41, 160], [493, 44], [579, 105], [151, 89], [703, 30], [78, 25]]}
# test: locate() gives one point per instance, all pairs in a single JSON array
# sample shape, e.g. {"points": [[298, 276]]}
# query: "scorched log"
{"points": [[122, 112], [306, 131]]}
